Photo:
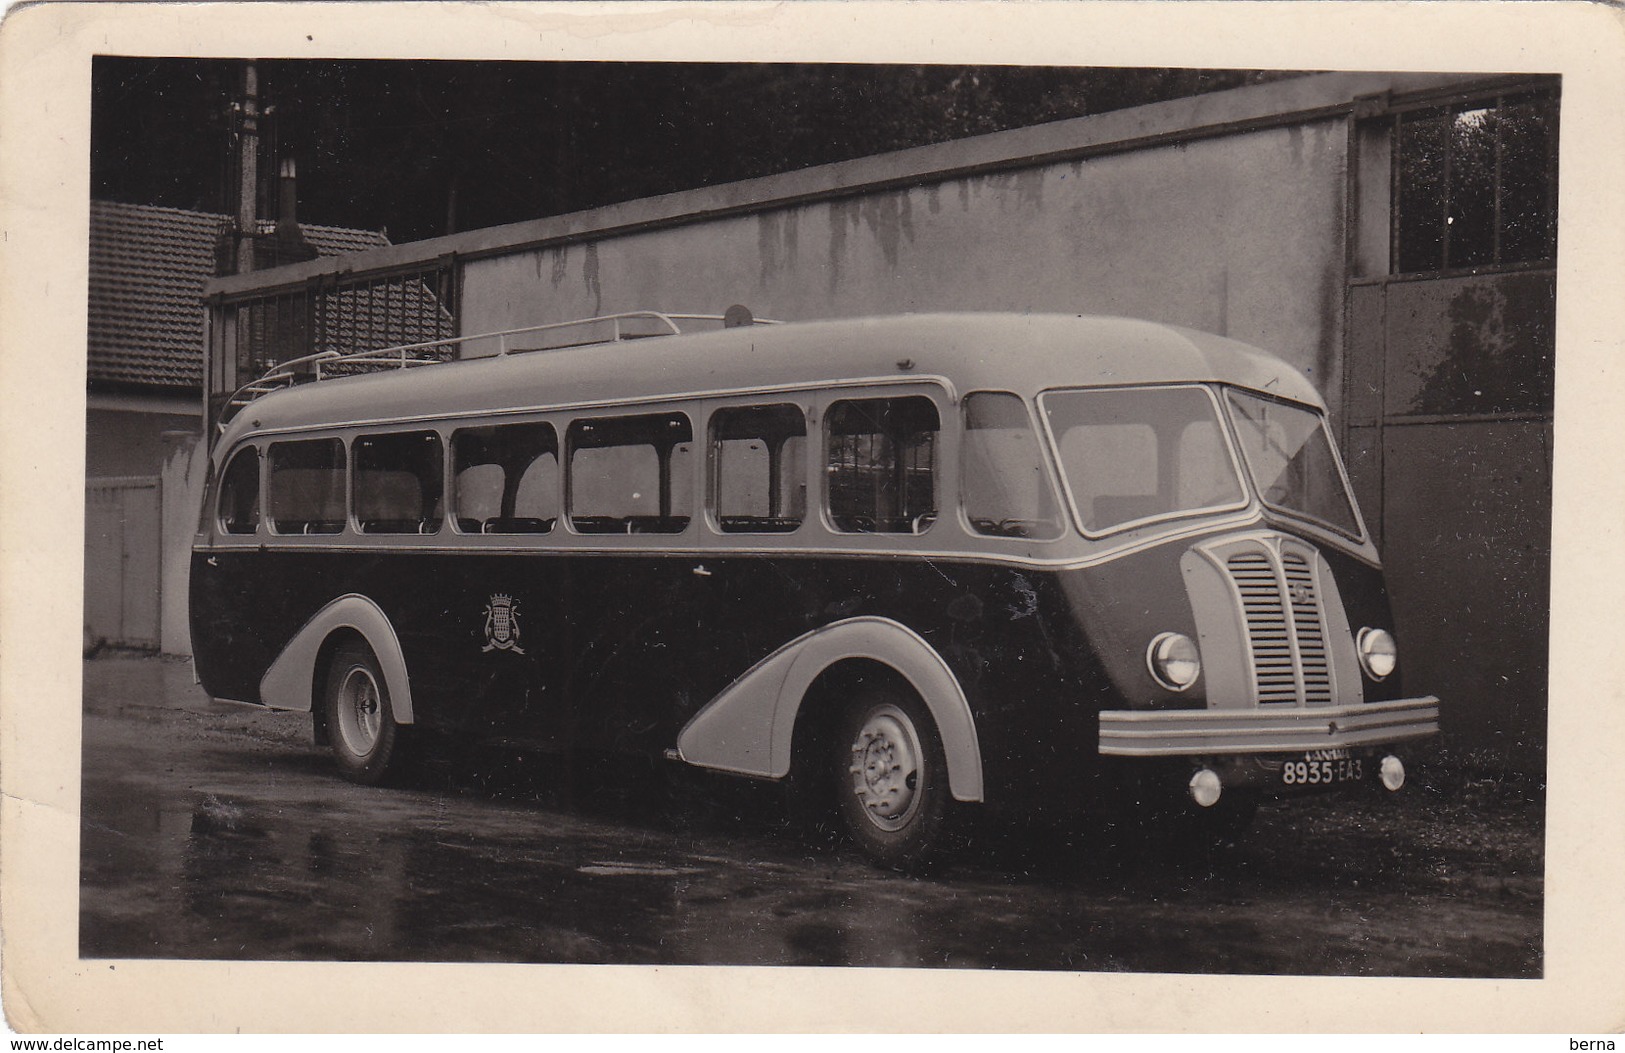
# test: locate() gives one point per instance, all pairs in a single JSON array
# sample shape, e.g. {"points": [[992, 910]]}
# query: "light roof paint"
{"points": [[1023, 353]]}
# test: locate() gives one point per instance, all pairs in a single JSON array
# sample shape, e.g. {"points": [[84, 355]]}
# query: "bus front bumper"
{"points": [[1276, 729]]}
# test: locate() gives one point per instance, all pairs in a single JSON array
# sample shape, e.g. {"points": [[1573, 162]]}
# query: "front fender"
{"points": [[748, 728]]}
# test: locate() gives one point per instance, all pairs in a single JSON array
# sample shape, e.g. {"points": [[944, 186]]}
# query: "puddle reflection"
{"points": [[297, 867]]}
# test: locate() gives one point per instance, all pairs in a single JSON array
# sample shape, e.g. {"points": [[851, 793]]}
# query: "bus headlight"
{"points": [[1173, 661], [1378, 652]]}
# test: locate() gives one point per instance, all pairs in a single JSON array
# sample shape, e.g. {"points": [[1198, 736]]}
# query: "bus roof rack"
{"points": [[616, 328]]}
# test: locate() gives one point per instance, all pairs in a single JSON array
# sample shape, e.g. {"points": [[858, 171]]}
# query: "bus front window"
{"points": [[1133, 455], [1290, 458]]}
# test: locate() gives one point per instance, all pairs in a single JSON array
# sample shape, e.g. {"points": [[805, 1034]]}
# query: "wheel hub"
{"points": [[886, 767], [360, 716]]}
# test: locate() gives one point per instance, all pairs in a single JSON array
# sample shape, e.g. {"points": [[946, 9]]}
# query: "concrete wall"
{"points": [[138, 539], [181, 489], [120, 442], [136, 436], [1241, 235]]}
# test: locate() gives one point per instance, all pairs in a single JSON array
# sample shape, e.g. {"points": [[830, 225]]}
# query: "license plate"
{"points": [[1322, 768]]}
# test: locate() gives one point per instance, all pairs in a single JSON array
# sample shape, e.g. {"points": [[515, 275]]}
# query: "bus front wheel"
{"points": [[891, 778], [365, 740]]}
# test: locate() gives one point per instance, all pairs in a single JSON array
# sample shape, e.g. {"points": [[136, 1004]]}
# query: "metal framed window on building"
{"points": [[1475, 184], [252, 332]]}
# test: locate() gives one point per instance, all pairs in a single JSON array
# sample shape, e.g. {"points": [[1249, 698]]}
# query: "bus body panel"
{"points": [[618, 652], [606, 668]]}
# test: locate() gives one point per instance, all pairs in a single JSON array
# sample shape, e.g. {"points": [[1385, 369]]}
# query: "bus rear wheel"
{"points": [[365, 741], [891, 778]]}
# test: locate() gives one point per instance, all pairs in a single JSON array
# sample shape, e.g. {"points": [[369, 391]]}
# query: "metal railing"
{"points": [[328, 365]]}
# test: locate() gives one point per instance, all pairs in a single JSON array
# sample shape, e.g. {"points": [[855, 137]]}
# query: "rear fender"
{"points": [[288, 684]]}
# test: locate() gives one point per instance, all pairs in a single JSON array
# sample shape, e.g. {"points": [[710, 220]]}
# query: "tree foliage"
{"points": [[423, 148]]}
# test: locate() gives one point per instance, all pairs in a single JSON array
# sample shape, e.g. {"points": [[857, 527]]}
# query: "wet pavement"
{"points": [[215, 831]]}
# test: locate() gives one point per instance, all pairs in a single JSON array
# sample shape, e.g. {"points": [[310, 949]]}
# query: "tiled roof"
{"points": [[336, 241], [147, 269]]}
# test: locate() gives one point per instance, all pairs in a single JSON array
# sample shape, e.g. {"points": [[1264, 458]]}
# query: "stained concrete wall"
{"points": [[120, 442], [1241, 235], [182, 478], [128, 437]]}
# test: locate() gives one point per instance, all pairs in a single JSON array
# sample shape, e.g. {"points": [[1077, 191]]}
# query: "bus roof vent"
{"points": [[554, 336]]}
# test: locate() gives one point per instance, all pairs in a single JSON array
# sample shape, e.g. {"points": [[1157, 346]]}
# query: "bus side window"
{"points": [[305, 490], [240, 493], [1003, 486], [505, 479], [537, 498], [631, 475], [758, 468], [882, 464], [397, 482]]}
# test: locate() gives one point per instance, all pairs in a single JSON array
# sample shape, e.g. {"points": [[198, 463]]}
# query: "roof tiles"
{"points": [[147, 269]]}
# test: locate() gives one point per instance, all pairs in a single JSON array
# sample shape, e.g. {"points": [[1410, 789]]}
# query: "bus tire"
{"points": [[891, 777], [366, 743]]}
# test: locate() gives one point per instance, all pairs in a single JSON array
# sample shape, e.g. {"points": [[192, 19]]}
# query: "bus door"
{"points": [[502, 606], [631, 484]]}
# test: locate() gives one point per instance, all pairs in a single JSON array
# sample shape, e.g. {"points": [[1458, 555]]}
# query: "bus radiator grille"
{"points": [[1285, 628]]}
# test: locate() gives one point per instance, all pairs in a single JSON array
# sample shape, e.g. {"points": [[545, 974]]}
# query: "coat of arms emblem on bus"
{"points": [[502, 625]]}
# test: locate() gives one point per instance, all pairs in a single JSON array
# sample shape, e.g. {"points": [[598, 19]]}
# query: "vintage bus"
{"points": [[923, 564]]}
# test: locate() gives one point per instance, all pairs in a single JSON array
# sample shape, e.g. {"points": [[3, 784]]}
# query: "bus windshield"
{"points": [[1131, 455], [1289, 456]]}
